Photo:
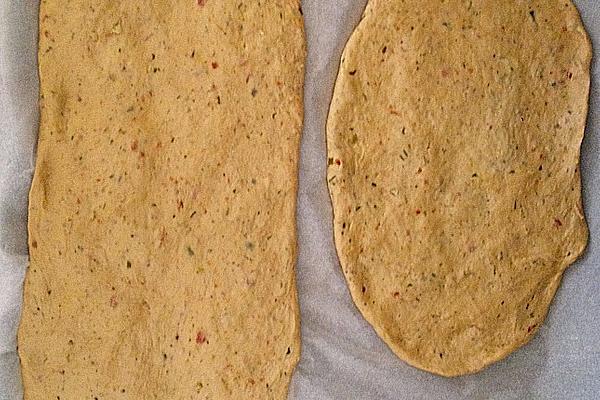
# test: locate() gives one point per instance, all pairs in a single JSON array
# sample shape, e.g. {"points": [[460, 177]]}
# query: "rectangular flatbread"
{"points": [[162, 211]]}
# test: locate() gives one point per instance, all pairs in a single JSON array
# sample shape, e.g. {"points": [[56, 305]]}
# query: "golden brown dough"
{"points": [[162, 229], [453, 142]]}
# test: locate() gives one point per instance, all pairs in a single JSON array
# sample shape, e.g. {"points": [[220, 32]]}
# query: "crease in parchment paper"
{"points": [[18, 135]]}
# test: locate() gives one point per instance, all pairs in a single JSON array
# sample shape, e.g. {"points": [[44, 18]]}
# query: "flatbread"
{"points": [[162, 212], [453, 143]]}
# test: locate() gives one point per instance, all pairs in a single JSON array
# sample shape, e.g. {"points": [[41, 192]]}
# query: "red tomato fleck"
{"points": [[418, 211], [201, 3], [200, 338], [396, 294], [215, 65], [338, 162]]}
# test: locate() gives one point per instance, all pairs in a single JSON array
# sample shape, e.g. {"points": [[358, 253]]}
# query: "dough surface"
{"points": [[453, 142], [162, 212]]}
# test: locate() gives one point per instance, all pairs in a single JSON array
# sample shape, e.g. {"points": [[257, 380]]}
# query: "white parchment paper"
{"points": [[342, 357]]}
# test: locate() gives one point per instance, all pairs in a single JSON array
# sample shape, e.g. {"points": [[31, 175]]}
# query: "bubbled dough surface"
{"points": [[453, 141], [161, 222]]}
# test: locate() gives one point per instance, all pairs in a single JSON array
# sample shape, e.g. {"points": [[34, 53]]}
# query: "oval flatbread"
{"points": [[453, 142], [161, 222]]}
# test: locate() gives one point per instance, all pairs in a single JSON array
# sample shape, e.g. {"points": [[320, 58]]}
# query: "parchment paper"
{"points": [[342, 358]]}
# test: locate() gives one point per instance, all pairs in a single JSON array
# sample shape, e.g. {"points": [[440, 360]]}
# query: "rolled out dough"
{"points": [[453, 142], [162, 230]]}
